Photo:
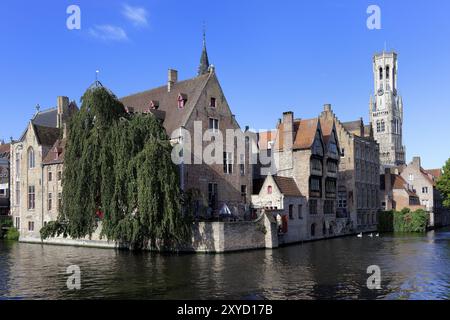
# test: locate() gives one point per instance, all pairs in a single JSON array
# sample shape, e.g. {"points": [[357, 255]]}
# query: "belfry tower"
{"points": [[386, 110]]}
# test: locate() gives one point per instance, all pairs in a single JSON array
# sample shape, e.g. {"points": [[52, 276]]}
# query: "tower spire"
{"points": [[204, 62]]}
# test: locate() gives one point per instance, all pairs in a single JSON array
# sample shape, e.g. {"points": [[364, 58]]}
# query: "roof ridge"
{"points": [[161, 86]]}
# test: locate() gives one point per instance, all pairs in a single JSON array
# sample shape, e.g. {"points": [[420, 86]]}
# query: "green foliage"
{"points": [[443, 184], [403, 221], [6, 222], [12, 234], [386, 221], [120, 165]]}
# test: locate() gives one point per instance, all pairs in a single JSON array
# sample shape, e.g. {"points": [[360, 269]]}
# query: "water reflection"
{"points": [[412, 266]]}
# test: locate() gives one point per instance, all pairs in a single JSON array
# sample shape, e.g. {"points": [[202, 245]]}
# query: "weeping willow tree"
{"points": [[118, 167]]}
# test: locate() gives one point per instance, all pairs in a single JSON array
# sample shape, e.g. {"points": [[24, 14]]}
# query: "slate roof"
{"points": [[46, 118], [46, 136], [287, 186], [173, 116]]}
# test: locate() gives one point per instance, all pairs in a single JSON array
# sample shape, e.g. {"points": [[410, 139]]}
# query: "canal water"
{"points": [[413, 266]]}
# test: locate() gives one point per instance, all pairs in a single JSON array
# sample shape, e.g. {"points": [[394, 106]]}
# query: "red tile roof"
{"points": [[265, 137], [4, 150], [287, 186], [436, 173], [398, 182], [56, 154], [173, 116], [327, 128], [305, 133]]}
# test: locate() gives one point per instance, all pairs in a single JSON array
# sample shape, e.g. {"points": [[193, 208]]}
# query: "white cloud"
{"points": [[108, 33], [137, 15]]}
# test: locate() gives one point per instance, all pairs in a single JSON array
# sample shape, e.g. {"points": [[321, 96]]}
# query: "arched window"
{"points": [[269, 189], [387, 72], [31, 159], [393, 76], [383, 126], [324, 229], [381, 73], [378, 126], [313, 230]]}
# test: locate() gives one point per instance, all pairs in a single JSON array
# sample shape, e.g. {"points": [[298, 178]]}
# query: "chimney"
{"points": [[416, 162], [62, 104], [172, 79], [288, 130]]}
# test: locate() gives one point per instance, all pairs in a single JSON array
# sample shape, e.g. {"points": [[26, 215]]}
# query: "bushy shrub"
{"points": [[12, 234], [403, 221]]}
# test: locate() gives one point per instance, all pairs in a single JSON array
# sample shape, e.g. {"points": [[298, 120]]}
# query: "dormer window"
{"points": [[129, 109], [182, 98], [212, 103], [154, 105]]}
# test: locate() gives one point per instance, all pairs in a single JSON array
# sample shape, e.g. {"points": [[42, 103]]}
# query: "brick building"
{"points": [[281, 196], [423, 182], [358, 172], [188, 109], [397, 193], [301, 150]]}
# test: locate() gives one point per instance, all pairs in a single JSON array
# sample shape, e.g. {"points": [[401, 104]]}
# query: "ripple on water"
{"points": [[412, 267]]}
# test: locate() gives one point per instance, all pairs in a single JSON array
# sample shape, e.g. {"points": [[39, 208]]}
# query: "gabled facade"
{"points": [[397, 193], [27, 167], [358, 171], [281, 196], [301, 151], [190, 108]]}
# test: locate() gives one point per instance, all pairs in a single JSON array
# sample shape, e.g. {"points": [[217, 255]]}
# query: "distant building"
{"points": [[386, 110], [423, 182], [4, 178], [396, 193], [358, 197]]}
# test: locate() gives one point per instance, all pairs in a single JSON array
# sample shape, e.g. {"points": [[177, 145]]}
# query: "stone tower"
{"points": [[386, 110]]}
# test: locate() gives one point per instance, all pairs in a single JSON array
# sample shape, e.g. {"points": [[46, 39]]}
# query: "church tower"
{"points": [[386, 110]]}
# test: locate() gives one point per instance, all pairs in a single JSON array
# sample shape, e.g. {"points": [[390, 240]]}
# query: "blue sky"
{"points": [[270, 56]]}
